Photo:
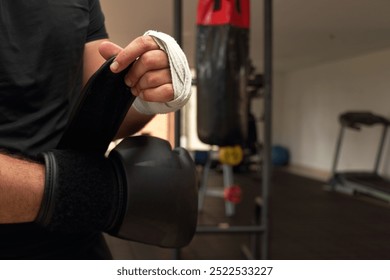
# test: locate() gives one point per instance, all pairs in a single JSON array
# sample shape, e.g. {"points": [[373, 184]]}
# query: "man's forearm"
{"points": [[133, 122], [21, 189]]}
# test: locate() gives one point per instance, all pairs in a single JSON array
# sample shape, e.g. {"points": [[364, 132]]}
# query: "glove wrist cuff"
{"points": [[46, 209], [78, 196]]}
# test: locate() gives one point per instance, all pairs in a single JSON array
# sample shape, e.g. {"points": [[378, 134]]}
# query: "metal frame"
{"points": [[205, 190], [263, 228], [178, 24]]}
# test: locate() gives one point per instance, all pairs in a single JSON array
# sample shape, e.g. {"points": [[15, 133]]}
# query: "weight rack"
{"points": [[261, 230]]}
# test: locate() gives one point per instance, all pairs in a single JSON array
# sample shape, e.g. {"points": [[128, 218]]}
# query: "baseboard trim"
{"points": [[309, 172]]}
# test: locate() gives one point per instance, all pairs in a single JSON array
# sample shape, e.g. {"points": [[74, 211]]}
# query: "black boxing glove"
{"points": [[144, 191]]}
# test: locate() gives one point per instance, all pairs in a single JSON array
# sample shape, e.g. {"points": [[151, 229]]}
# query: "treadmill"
{"points": [[361, 182]]}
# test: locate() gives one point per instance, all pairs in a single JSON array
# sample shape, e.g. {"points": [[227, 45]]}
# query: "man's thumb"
{"points": [[109, 49]]}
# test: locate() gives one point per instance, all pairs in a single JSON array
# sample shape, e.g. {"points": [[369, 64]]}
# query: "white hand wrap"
{"points": [[181, 77]]}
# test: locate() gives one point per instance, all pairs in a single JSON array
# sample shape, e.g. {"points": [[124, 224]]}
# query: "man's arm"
{"points": [[21, 189], [22, 181]]}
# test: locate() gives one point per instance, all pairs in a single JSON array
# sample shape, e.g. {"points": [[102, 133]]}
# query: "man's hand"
{"points": [[160, 77], [150, 76]]}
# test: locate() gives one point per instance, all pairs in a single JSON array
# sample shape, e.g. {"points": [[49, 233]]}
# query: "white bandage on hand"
{"points": [[181, 77]]}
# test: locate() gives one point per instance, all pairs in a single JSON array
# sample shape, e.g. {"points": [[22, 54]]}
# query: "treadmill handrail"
{"points": [[354, 119]]}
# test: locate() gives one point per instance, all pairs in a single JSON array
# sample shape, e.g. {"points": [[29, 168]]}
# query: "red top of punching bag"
{"points": [[218, 12]]}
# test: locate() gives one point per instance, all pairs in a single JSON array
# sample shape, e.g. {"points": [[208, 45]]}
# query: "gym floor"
{"points": [[306, 223]]}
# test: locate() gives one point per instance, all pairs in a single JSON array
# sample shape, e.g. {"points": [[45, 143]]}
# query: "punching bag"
{"points": [[222, 51]]}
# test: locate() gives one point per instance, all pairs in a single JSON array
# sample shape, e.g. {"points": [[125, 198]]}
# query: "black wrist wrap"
{"points": [[99, 111], [78, 196]]}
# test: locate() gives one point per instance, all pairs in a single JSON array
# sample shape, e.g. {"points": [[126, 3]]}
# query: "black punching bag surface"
{"points": [[222, 51]]}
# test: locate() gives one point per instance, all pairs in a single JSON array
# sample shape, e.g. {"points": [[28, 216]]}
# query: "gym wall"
{"points": [[310, 100]]}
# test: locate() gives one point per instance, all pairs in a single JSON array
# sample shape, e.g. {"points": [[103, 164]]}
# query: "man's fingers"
{"points": [[150, 61], [134, 50], [152, 79], [163, 93], [150, 76]]}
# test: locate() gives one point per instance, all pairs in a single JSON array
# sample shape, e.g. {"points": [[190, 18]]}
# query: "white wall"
{"points": [[308, 101], [128, 19]]}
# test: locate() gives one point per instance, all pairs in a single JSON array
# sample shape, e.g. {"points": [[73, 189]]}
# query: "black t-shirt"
{"points": [[41, 62], [41, 48]]}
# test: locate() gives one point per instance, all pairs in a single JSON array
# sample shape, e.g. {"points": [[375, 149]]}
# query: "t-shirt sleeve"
{"points": [[97, 29]]}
